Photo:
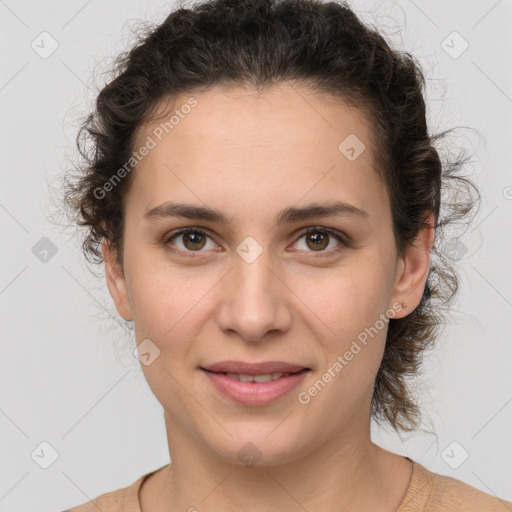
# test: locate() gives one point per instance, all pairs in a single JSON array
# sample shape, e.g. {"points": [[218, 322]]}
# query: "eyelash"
{"points": [[315, 229]]}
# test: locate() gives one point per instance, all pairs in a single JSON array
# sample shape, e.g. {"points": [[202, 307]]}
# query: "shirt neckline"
{"points": [[415, 498]]}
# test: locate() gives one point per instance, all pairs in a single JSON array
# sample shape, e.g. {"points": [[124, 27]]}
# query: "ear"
{"points": [[413, 268], [116, 281]]}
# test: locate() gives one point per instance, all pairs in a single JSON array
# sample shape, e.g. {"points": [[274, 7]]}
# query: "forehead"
{"points": [[243, 116], [285, 138]]}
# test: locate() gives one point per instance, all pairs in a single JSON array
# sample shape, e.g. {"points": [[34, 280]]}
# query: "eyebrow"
{"points": [[287, 216]]}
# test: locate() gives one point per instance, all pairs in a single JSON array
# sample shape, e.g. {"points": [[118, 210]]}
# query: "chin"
{"points": [[258, 448]]}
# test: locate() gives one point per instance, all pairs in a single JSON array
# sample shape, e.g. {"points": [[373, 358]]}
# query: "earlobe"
{"points": [[413, 269], [116, 281]]}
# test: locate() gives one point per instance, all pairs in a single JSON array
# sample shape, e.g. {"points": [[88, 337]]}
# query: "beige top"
{"points": [[427, 492]]}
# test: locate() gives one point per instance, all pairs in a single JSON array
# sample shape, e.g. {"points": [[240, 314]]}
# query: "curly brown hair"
{"points": [[324, 46]]}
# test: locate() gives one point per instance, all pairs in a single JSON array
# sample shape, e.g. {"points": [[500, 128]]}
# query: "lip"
{"points": [[254, 368], [255, 393]]}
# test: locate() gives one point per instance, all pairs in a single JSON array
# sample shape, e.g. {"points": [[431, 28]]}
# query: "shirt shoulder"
{"points": [[433, 492], [108, 502], [112, 501], [120, 500], [452, 495]]}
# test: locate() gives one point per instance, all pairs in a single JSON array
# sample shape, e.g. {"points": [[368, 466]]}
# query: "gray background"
{"points": [[65, 378]]}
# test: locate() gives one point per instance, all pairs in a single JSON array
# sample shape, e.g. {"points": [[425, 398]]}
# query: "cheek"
{"points": [[353, 344], [170, 305], [347, 300], [346, 310], [156, 295], [167, 310]]}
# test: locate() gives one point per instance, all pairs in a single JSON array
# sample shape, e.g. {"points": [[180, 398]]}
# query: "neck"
{"points": [[348, 473]]}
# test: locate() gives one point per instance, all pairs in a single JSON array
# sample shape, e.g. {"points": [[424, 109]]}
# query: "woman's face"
{"points": [[254, 287]]}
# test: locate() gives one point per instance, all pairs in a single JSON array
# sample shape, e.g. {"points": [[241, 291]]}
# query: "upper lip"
{"points": [[262, 368]]}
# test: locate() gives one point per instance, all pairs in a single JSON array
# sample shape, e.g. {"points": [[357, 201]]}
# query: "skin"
{"points": [[250, 156]]}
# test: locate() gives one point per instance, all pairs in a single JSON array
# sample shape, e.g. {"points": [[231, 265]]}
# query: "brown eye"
{"points": [[192, 240], [318, 239]]}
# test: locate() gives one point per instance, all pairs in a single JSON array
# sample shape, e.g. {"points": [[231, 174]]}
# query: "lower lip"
{"points": [[255, 393]]}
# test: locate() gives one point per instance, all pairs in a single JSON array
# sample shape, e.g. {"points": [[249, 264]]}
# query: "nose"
{"points": [[255, 300]]}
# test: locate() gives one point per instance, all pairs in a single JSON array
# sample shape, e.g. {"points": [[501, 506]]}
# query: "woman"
{"points": [[266, 199]]}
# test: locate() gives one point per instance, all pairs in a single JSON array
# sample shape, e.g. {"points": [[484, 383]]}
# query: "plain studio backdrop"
{"points": [[70, 391]]}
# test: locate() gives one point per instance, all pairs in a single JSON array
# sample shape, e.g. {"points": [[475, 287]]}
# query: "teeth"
{"points": [[267, 377]]}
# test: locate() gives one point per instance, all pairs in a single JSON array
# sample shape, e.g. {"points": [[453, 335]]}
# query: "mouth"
{"points": [[258, 378], [257, 384], [261, 368]]}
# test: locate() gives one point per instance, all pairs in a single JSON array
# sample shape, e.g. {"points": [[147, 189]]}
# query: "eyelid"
{"points": [[342, 238], [339, 236], [183, 231]]}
